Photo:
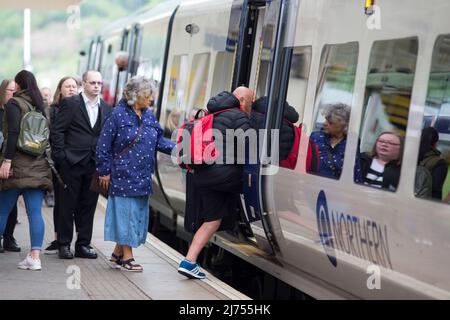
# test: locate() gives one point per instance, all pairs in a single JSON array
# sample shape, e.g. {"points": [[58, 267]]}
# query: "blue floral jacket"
{"points": [[332, 159], [131, 171]]}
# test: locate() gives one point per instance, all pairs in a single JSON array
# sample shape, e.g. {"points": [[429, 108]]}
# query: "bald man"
{"points": [[212, 191], [245, 97], [74, 137]]}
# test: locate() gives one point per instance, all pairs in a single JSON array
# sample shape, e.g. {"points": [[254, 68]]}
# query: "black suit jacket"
{"points": [[73, 138]]}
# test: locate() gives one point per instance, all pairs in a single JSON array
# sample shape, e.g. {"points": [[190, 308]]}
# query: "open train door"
{"points": [[261, 78]]}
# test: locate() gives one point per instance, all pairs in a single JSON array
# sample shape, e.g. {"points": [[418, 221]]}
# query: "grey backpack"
{"points": [[34, 132]]}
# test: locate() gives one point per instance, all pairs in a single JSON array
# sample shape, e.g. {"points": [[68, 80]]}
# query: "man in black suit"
{"points": [[74, 138]]}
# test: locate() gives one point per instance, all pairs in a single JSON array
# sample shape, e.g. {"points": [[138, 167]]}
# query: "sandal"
{"points": [[128, 266], [116, 260]]}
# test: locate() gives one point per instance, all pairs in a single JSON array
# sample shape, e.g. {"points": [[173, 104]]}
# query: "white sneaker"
{"points": [[30, 264]]}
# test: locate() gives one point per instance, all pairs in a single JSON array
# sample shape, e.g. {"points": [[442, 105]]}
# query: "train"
{"points": [[388, 60]]}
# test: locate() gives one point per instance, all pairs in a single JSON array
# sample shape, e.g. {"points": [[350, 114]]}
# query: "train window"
{"points": [[434, 150], [386, 105], [298, 77], [150, 59], [109, 68], [266, 49], [223, 70], [152, 51], [334, 95], [175, 98], [198, 82]]}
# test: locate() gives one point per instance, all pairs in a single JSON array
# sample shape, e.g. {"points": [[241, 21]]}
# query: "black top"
{"points": [[2, 111], [391, 173], [54, 108], [13, 115]]}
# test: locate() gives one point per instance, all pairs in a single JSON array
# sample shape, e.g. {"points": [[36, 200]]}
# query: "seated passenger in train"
{"points": [[430, 157], [380, 168], [331, 140], [288, 143]]}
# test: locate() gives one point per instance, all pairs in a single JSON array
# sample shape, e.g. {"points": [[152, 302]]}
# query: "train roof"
{"points": [[143, 15]]}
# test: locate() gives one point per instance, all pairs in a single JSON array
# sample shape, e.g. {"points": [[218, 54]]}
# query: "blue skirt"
{"points": [[126, 220]]}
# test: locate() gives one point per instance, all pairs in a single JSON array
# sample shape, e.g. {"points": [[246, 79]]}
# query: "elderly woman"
{"points": [[380, 168], [126, 154], [331, 140]]}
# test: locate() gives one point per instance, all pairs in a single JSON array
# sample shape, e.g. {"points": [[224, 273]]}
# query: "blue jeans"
{"points": [[33, 202]]}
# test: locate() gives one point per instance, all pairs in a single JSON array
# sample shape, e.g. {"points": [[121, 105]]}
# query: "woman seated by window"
{"points": [[331, 140], [380, 168]]}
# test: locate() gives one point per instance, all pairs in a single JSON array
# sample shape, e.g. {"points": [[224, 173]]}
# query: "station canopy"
{"points": [[38, 4]]}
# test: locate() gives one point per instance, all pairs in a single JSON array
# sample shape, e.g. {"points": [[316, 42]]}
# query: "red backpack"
{"points": [[312, 157], [202, 149]]}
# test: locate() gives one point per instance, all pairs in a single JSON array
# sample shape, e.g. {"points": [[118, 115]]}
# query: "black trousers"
{"points": [[76, 204], [11, 224]]}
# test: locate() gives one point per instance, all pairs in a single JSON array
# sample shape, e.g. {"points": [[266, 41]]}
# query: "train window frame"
{"points": [[174, 104], [190, 105], [108, 67], [437, 99], [394, 96], [219, 84], [299, 104], [319, 105], [151, 56]]}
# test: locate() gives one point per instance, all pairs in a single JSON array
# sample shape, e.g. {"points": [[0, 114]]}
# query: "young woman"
{"points": [[23, 174]]}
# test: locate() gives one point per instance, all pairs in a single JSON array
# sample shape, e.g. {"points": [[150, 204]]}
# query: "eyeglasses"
{"points": [[93, 83], [389, 143]]}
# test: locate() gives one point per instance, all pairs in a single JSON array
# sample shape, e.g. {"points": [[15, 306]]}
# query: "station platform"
{"points": [[86, 279]]}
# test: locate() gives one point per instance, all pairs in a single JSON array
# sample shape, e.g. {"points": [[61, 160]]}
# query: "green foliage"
{"points": [[55, 48]]}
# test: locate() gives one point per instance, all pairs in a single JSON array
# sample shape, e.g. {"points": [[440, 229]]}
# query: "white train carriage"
{"points": [[389, 61]]}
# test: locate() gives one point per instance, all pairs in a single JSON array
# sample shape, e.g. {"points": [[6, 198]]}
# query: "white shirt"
{"points": [[92, 108]]}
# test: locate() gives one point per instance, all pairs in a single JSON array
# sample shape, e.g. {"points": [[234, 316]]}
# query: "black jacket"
{"points": [[391, 173], [73, 139], [224, 177], [2, 111], [54, 109], [287, 134]]}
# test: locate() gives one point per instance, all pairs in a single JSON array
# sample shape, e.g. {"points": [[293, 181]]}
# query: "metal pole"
{"points": [[27, 40]]}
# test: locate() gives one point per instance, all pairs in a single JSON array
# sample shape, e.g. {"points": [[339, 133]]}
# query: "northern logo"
{"points": [[324, 227]]}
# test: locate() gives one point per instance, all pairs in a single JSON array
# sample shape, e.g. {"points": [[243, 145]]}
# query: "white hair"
{"points": [[136, 87]]}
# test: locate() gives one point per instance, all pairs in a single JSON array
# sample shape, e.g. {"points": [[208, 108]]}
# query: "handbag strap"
{"points": [[131, 145]]}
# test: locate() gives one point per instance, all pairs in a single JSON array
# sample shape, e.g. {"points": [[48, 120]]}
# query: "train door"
{"points": [[266, 58], [199, 66], [171, 113]]}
